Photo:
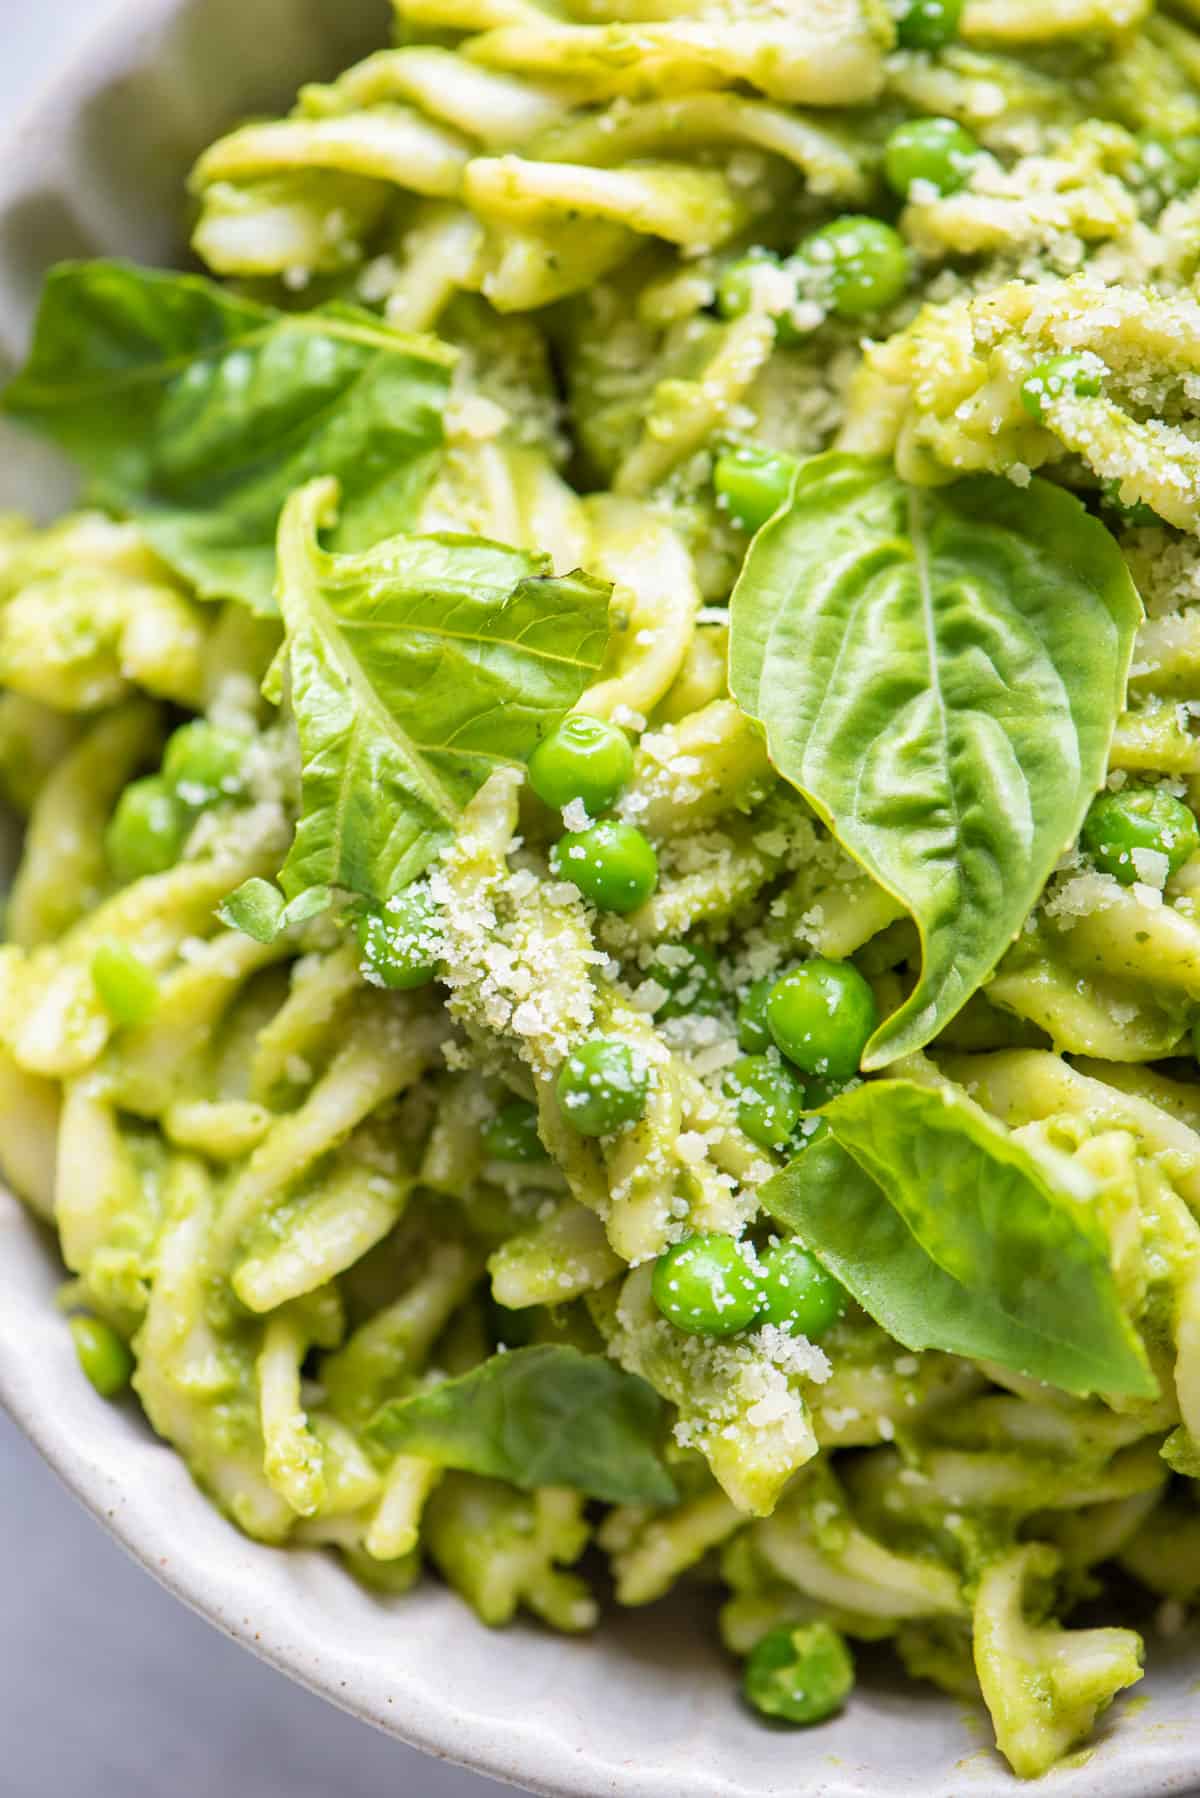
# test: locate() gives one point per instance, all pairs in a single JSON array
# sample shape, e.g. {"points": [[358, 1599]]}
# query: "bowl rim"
{"points": [[33, 1342]]}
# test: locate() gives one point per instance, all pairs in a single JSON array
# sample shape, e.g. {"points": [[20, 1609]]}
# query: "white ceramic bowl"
{"points": [[647, 1707]]}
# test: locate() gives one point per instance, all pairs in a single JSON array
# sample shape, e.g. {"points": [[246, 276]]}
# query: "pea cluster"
{"points": [[855, 265], [851, 267], [147, 831], [818, 1016], [708, 1286], [590, 760]]}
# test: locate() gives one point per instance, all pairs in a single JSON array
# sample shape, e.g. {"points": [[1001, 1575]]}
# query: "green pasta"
{"points": [[606, 953]]}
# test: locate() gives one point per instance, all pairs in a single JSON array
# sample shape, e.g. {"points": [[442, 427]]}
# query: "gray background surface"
{"points": [[109, 1688]]}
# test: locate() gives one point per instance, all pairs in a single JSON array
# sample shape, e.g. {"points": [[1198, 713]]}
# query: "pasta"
{"points": [[606, 948]]}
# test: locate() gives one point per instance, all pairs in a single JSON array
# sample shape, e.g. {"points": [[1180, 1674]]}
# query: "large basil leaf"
{"points": [[953, 1236], [544, 1416], [197, 412], [416, 668], [939, 672]]}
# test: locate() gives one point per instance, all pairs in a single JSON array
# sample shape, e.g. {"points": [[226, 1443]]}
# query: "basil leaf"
{"points": [[196, 412], [416, 669], [543, 1416], [939, 672], [255, 908], [953, 1236]]}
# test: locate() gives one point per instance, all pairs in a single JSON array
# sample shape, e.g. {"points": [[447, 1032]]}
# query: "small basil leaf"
{"points": [[417, 668], [953, 1236], [255, 908], [308, 904], [196, 412], [939, 672], [542, 1416]]}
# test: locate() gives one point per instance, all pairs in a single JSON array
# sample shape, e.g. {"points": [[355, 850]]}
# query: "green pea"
{"points": [[770, 1100], [861, 263], [611, 863], [401, 944], [754, 483], [512, 1135], [1082, 375], [103, 1355], [821, 1016], [603, 1085], [584, 758], [691, 977], [705, 1286], [736, 286], [927, 24], [202, 762], [127, 988], [1150, 819], [743, 288], [797, 1293], [936, 153], [799, 1672], [752, 1032], [147, 831]]}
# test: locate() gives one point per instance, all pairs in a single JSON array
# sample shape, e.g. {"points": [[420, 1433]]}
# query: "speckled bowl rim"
{"points": [[279, 1604]]}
